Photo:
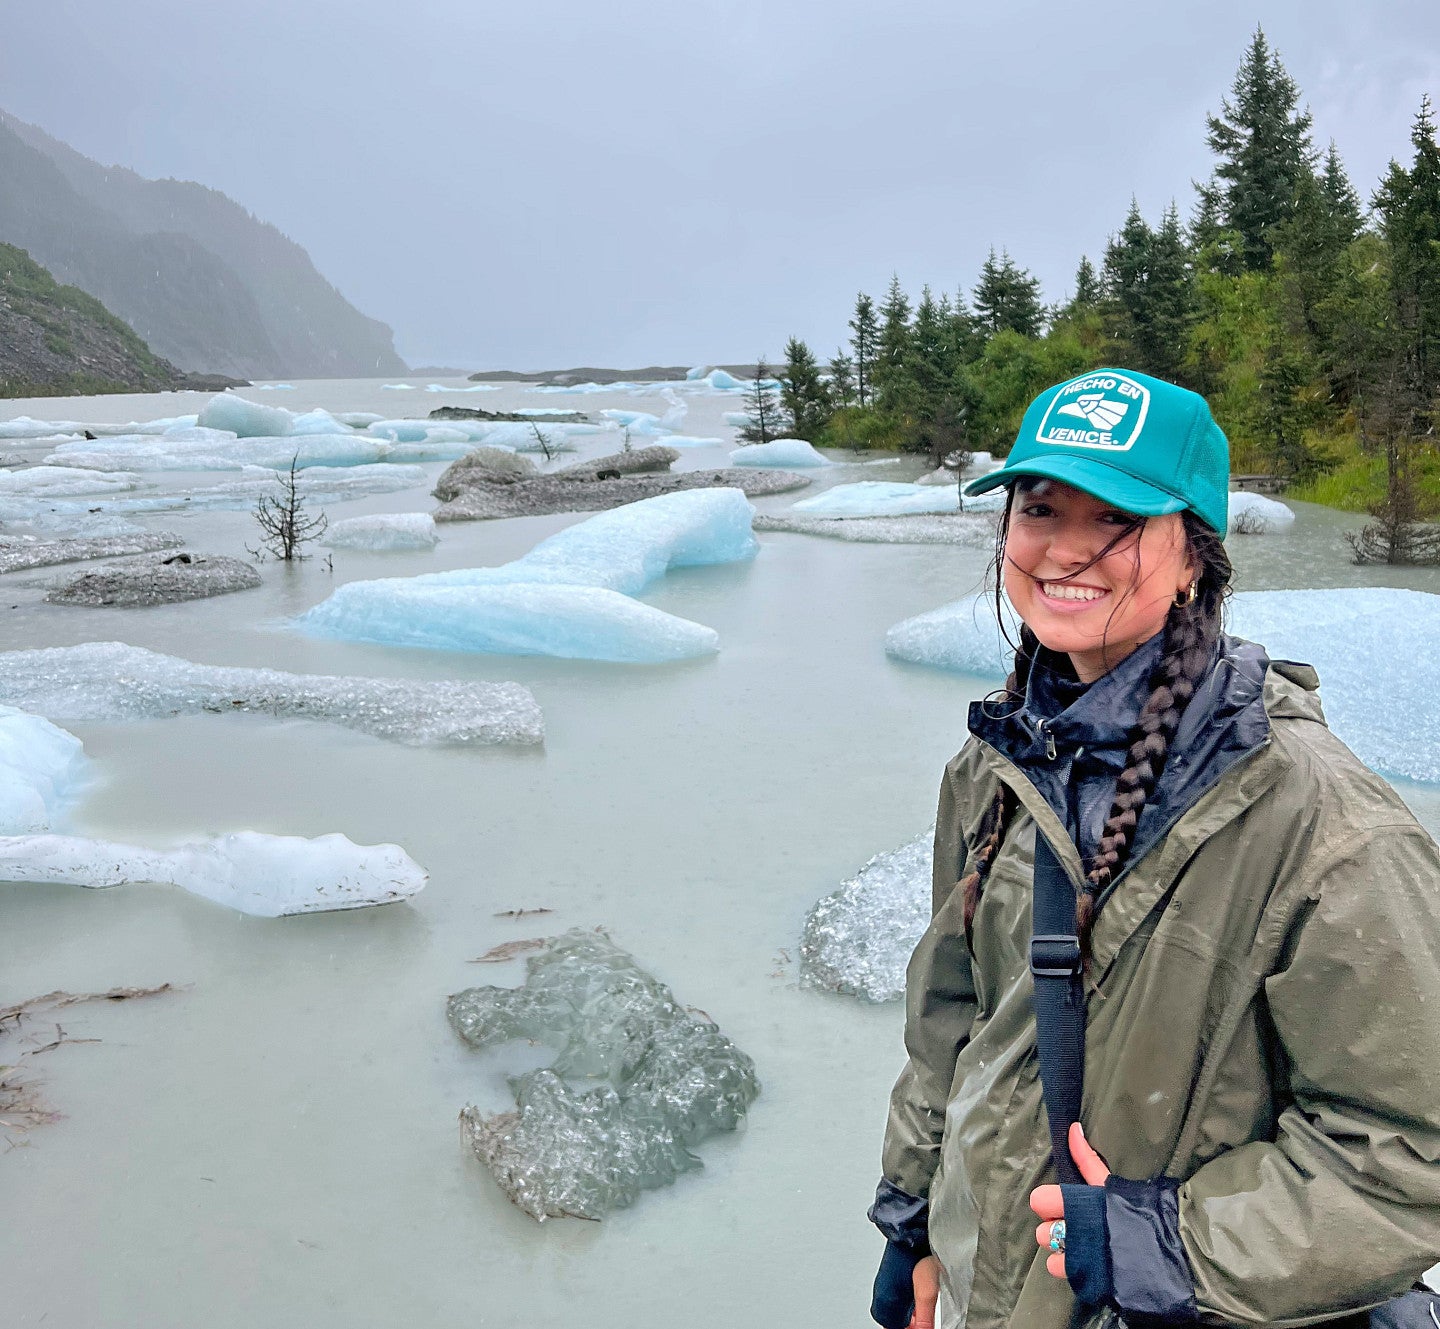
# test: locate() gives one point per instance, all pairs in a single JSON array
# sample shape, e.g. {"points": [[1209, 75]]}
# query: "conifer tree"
{"points": [[1408, 202], [891, 371], [765, 413], [1147, 277], [1087, 286], [842, 379], [803, 394], [1263, 141], [1007, 298], [865, 345], [927, 357], [1342, 203]]}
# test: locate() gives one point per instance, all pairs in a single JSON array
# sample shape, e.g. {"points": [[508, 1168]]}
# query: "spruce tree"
{"points": [[1342, 203], [1263, 141], [1148, 282], [1007, 298], [803, 393], [1087, 286], [891, 371], [865, 345], [1408, 202], [763, 409], [928, 357]]}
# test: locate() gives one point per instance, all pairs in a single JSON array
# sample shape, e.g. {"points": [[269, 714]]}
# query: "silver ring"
{"points": [[1057, 1235]]}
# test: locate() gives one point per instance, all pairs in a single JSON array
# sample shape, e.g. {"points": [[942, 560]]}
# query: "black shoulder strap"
{"points": [[1059, 1003]]}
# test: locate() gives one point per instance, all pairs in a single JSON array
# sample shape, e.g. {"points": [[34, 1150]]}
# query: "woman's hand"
{"points": [[1048, 1203], [927, 1292]]}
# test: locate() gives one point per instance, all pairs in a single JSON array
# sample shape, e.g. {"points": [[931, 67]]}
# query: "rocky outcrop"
{"points": [[156, 579], [488, 466], [17, 555]]}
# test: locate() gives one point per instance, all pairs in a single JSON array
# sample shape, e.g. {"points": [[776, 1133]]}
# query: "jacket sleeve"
{"points": [[939, 1009], [1342, 1209]]}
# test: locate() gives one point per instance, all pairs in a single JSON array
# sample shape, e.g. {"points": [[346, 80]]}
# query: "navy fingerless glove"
{"points": [[894, 1298]]}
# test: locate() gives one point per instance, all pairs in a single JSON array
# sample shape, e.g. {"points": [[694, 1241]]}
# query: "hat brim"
{"points": [[1094, 477]]}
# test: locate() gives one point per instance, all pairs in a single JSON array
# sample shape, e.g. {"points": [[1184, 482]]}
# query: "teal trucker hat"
{"points": [[1145, 445]]}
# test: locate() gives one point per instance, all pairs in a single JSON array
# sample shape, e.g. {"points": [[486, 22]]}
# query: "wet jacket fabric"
{"points": [[1263, 1053]]}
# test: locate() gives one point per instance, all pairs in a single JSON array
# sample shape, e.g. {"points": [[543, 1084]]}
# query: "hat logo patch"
{"points": [[1105, 411]]}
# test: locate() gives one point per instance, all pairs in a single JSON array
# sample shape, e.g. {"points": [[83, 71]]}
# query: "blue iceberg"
{"points": [[43, 769], [780, 453]]}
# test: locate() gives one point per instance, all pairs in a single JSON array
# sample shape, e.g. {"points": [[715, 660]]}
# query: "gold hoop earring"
{"points": [[1188, 597]]}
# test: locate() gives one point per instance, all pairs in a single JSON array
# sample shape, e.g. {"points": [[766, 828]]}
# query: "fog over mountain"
{"points": [[206, 284], [558, 183]]}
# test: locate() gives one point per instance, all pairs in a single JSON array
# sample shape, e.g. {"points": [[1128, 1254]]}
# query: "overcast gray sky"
{"points": [[548, 182]]}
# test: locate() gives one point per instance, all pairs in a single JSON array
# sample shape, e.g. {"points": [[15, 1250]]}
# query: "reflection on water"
{"points": [[281, 1139]]}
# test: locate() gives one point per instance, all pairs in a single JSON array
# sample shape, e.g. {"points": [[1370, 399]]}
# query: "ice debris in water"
{"points": [[1254, 514], [568, 597], [885, 498], [637, 1081], [104, 681], [1352, 636], [383, 532], [210, 450], [42, 769], [18, 554], [263, 875], [246, 419], [781, 452], [858, 940], [64, 481]]}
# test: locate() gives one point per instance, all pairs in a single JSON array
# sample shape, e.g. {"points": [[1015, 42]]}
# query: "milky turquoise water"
{"points": [[277, 1144]]}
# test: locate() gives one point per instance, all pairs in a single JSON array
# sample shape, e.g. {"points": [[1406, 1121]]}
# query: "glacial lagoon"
{"points": [[279, 1142]]}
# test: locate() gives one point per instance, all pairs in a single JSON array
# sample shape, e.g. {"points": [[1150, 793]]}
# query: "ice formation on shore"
{"points": [[105, 681], [667, 1079], [568, 597], [266, 876], [42, 769], [858, 939], [785, 453], [1254, 514], [1352, 635], [383, 532]]}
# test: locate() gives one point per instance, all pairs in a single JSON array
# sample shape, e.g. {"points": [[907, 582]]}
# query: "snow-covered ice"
{"points": [[567, 597], [1352, 636], [17, 555], [266, 876], [878, 498], [105, 681], [42, 771], [383, 532], [784, 453], [1254, 514], [858, 939], [637, 1080]]}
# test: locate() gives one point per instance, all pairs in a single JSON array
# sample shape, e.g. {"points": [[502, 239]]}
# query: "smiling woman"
{"points": [[1151, 836]]}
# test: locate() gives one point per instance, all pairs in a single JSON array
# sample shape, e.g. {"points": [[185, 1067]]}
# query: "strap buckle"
{"points": [[1055, 955]]}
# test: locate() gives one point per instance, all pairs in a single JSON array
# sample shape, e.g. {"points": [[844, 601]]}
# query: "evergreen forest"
{"points": [[1307, 315]]}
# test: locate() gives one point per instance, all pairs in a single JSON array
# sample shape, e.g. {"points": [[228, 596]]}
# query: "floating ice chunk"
{"points": [[723, 382], [677, 412], [106, 681], [275, 387], [858, 940], [1254, 514], [567, 597], [212, 450], [63, 481], [246, 419], [358, 419], [696, 372], [637, 422], [318, 421], [18, 555], [1352, 636], [782, 453], [689, 441], [877, 498], [26, 426], [669, 1079], [383, 531], [398, 387], [42, 771], [263, 875], [474, 387], [969, 532], [738, 419], [85, 528]]}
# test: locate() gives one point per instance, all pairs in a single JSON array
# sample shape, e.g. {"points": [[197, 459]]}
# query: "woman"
{"points": [[1258, 915]]}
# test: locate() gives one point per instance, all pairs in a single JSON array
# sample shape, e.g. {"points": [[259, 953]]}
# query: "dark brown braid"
{"points": [[1191, 631]]}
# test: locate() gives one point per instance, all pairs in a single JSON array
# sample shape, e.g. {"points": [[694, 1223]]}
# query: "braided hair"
{"points": [[1192, 627]]}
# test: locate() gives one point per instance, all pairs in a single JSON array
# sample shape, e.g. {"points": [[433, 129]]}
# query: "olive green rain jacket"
{"points": [[1263, 1027]]}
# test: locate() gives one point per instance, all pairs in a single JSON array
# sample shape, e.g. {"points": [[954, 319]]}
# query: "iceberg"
{"points": [[720, 381], [266, 876], [206, 450], [637, 422], [244, 419], [383, 532], [318, 421], [858, 940], [784, 453], [474, 387], [398, 387], [358, 419], [107, 681], [42, 772], [1254, 514], [690, 441], [274, 387], [638, 1080], [1351, 635], [878, 498], [63, 481], [18, 555], [696, 372], [568, 597], [26, 426]]}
